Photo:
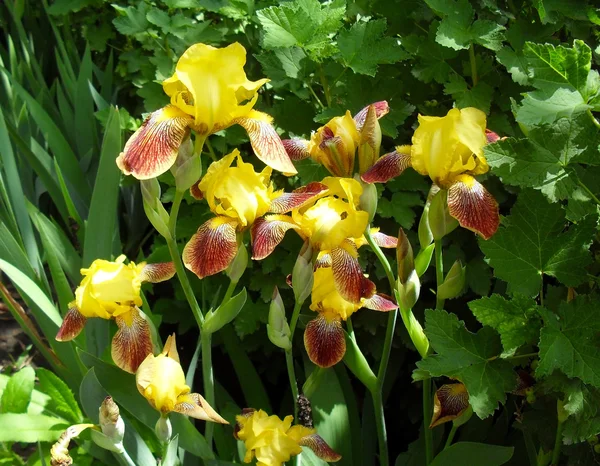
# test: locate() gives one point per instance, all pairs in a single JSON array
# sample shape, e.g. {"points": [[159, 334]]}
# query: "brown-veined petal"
{"points": [[449, 402], [473, 206], [388, 166], [320, 448], [324, 341], [380, 302], [195, 192], [296, 148], [348, 277], [132, 342], [72, 325], [194, 405], [159, 272], [323, 261], [266, 142], [381, 109], [382, 240], [153, 148], [212, 247], [288, 201], [267, 232]]}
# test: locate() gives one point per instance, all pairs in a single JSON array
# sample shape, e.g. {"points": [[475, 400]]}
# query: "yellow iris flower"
{"points": [[209, 92], [335, 144], [238, 196], [273, 441], [449, 150], [160, 379], [112, 290]]}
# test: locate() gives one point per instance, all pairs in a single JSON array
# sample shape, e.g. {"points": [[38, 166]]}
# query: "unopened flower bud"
{"points": [[440, 221], [278, 329], [302, 274], [156, 213], [370, 141], [454, 282], [404, 257], [368, 199], [423, 259], [425, 235], [187, 168], [163, 429], [111, 422], [238, 265], [409, 291]]}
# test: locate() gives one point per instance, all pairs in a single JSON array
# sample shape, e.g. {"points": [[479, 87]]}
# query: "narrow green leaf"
{"points": [[74, 212], [85, 122], [30, 428], [12, 252], [473, 454], [170, 458], [62, 401], [17, 394]]}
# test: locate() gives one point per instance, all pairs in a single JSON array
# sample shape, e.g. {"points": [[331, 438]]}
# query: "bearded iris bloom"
{"points": [[209, 92], [111, 290], [239, 197], [334, 145], [449, 403], [160, 379], [273, 441], [450, 151]]}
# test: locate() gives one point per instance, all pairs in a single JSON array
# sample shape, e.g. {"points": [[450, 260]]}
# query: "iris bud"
{"points": [[302, 274], [156, 213], [454, 282], [187, 169], [440, 220], [278, 329]]}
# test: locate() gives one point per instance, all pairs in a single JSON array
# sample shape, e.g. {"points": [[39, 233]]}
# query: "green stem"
{"points": [[588, 191], [557, 443], [439, 272], [450, 436], [596, 123], [314, 94], [380, 425], [124, 458], [211, 151], [176, 257], [289, 359], [350, 328], [426, 418], [325, 85], [473, 64]]}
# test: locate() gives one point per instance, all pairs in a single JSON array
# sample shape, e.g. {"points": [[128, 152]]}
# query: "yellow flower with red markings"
{"points": [[239, 197], [449, 150], [449, 403], [273, 441], [160, 379], [335, 144], [209, 92], [111, 290]]}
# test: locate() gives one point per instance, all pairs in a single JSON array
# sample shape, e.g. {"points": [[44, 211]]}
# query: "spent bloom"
{"points": [[335, 144], [239, 197], [209, 92], [160, 379], [273, 441], [111, 290], [449, 150]]}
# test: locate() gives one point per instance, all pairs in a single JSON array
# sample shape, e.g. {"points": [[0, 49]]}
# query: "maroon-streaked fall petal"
{"points": [[194, 405], [473, 206], [320, 448], [288, 201], [296, 148], [323, 261], [324, 341], [195, 192], [388, 166], [159, 272], [381, 109], [348, 277], [380, 302], [132, 342], [153, 148], [449, 402], [212, 247], [267, 232], [72, 325], [266, 142]]}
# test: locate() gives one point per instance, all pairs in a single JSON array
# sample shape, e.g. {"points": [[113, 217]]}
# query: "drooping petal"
{"points": [[324, 341], [159, 272], [153, 148], [267, 232], [348, 277], [381, 109], [449, 402], [320, 448], [382, 240], [194, 405], [266, 142], [212, 247], [72, 325], [288, 201], [132, 342], [388, 166], [473, 206], [380, 302], [296, 148]]}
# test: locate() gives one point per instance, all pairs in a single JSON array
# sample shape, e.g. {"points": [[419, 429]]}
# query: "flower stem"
{"points": [[596, 124], [557, 443], [439, 272], [124, 458], [176, 258], [473, 64], [289, 359], [426, 418], [588, 191], [450, 436], [380, 424]]}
